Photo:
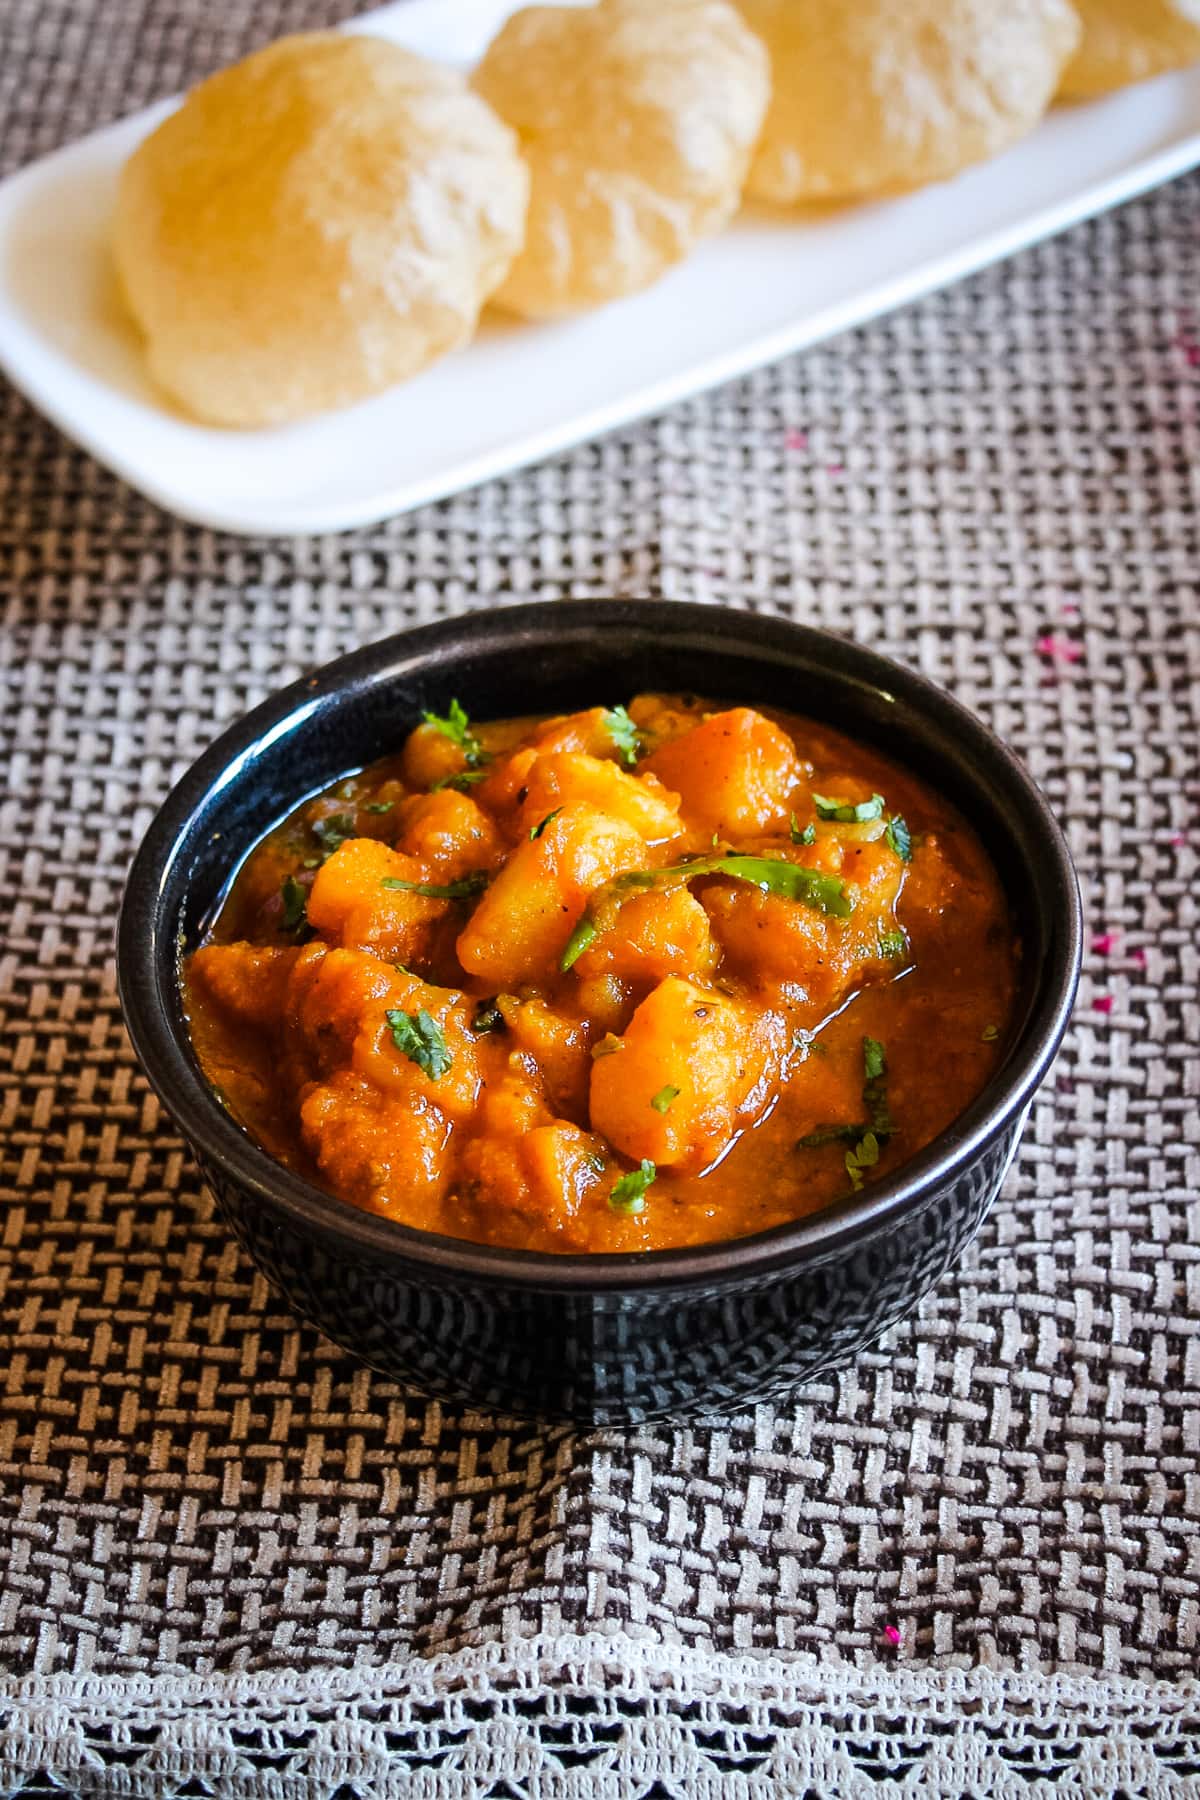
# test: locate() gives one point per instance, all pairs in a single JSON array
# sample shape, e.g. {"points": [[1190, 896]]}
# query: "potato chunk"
{"points": [[568, 778], [379, 1059], [589, 732], [339, 1002], [247, 980], [450, 833], [579, 734], [720, 1059], [329, 994], [546, 1177], [430, 756], [736, 773], [560, 1047], [661, 932], [783, 943], [385, 1152], [350, 904], [520, 927], [661, 717]]}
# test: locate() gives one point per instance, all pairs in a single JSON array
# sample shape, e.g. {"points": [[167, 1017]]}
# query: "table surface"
{"points": [[203, 1504]]}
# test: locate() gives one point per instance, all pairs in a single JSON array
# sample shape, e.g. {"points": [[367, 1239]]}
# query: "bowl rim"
{"points": [[166, 1057]]}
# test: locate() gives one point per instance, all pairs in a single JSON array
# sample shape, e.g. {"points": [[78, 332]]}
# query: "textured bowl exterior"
{"points": [[613, 1358], [602, 1339]]}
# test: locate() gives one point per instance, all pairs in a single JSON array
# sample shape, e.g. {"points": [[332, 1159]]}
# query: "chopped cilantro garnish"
{"points": [[830, 1134], [878, 1123], [421, 1039], [295, 904], [577, 943], [875, 1098], [537, 830], [807, 836], [624, 734], [864, 1155], [462, 889], [332, 832], [629, 1193], [664, 1098], [379, 806], [773, 874], [608, 1046], [789, 880], [892, 944], [465, 778], [899, 837], [989, 1034], [457, 727], [488, 1017], [849, 812]]}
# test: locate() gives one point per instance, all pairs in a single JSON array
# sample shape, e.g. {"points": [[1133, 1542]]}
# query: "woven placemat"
{"points": [[999, 486]]}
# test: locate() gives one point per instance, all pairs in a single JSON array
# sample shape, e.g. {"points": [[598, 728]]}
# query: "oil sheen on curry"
{"points": [[631, 978]]}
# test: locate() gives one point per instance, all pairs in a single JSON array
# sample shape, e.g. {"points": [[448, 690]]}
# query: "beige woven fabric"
{"points": [[999, 486]]}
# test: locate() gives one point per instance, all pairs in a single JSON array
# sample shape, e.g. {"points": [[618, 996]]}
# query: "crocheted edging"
{"points": [[629, 1666], [556, 1719]]}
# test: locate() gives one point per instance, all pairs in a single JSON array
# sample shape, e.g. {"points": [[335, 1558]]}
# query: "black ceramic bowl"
{"points": [[597, 1338]]}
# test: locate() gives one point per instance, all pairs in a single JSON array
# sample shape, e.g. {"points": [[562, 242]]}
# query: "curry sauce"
{"points": [[620, 980]]}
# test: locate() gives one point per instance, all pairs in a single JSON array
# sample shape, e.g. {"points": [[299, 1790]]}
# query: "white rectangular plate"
{"points": [[767, 286]]}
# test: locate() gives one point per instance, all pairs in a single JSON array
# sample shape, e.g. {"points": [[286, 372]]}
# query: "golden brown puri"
{"points": [[1129, 40], [637, 122], [314, 224], [871, 97]]}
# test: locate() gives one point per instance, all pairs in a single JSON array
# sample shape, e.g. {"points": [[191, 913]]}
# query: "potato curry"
{"points": [[626, 979]]}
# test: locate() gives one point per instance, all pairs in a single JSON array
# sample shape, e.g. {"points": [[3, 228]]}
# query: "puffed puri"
{"points": [[638, 119], [1130, 40], [314, 224], [881, 96]]}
